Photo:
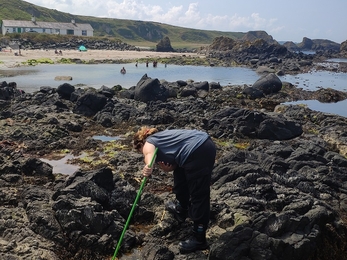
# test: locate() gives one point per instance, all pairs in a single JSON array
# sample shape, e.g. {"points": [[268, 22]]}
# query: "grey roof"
{"points": [[47, 25]]}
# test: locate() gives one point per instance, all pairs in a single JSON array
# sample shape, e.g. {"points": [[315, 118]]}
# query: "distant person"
{"points": [[123, 71], [136, 63]]}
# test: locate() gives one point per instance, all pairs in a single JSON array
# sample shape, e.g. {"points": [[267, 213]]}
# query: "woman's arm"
{"points": [[148, 151]]}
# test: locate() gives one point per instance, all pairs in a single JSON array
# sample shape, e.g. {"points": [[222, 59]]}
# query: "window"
{"points": [[57, 31], [70, 32], [84, 32], [43, 30]]}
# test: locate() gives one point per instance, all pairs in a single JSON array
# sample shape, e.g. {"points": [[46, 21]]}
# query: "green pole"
{"points": [[133, 207]]}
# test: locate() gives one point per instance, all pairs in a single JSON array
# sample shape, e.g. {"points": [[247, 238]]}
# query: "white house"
{"points": [[73, 28]]}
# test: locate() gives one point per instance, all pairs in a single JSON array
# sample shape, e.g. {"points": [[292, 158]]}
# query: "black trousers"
{"points": [[192, 183]]}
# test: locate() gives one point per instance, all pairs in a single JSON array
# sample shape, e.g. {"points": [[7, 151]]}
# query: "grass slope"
{"points": [[139, 33]]}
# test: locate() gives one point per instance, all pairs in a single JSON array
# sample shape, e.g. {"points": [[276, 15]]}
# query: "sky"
{"points": [[282, 19]]}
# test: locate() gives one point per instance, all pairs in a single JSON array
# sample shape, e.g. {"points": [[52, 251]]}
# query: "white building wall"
{"points": [[47, 30]]}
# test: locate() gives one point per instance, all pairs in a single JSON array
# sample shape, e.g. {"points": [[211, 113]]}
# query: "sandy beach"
{"points": [[9, 59]]}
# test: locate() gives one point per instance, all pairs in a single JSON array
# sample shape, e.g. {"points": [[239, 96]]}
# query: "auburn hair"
{"points": [[141, 135]]}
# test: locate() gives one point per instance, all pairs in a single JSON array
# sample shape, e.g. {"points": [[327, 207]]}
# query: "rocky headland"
{"points": [[278, 191]]}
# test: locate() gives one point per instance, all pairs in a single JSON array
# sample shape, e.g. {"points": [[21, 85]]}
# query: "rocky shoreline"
{"points": [[278, 189], [260, 54]]}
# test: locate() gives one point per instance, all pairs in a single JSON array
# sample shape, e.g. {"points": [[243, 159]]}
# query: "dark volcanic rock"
{"points": [[164, 45], [278, 188], [90, 103], [308, 44], [234, 121], [148, 89], [268, 84], [65, 90]]}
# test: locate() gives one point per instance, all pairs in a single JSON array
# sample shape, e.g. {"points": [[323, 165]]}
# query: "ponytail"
{"points": [[141, 135]]}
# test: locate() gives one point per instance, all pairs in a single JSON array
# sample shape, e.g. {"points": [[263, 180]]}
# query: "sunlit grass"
{"points": [[101, 157], [33, 62], [242, 145], [65, 61]]}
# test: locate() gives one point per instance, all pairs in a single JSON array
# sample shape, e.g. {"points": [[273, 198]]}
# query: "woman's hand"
{"points": [[146, 171], [166, 167]]}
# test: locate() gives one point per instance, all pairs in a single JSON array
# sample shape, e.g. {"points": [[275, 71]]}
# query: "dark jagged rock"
{"points": [[9, 90], [291, 46], [90, 103], [164, 45], [75, 43], [252, 93], [254, 35], [343, 48], [308, 44], [231, 121], [268, 84], [148, 89], [278, 188], [65, 90], [260, 50]]}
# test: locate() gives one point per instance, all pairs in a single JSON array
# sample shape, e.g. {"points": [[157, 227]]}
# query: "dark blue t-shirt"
{"points": [[174, 146]]}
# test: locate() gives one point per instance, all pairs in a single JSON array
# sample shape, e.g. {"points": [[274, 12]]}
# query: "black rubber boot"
{"points": [[179, 213], [194, 243]]}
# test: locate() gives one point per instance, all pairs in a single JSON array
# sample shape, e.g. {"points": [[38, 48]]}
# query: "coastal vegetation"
{"points": [[140, 33], [39, 61]]}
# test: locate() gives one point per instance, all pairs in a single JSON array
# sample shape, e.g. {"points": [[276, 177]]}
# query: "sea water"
{"points": [[31, 78]]}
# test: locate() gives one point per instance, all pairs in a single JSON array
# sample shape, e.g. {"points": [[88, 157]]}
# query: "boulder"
{"points": [[65, 90], [68, 78], [232, 121], [148, 89], [268, 84], [164, 45], [89, 104]]}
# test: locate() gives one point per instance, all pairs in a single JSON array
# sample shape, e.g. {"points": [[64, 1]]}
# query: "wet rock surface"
{"points": [[278, 188]]}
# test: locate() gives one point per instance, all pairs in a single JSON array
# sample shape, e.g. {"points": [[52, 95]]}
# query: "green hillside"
{"points": [[139, 33]]}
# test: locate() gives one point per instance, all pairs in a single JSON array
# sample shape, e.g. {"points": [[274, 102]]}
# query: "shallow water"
{"points": [[105, 138], [61, 166], [318, 79], [97, 75], [31, 78], [339, 108], [62, 163], [337, 60]]}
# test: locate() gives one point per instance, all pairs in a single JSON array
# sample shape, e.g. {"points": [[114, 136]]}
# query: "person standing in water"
{"points": [[190, 154]]}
